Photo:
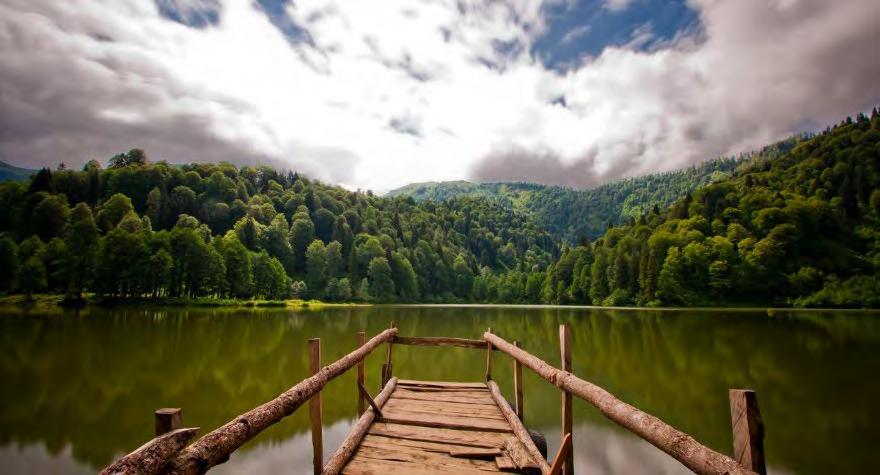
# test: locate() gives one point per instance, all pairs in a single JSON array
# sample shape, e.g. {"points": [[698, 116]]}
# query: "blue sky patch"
{"points": [[583, 28], [275, 10], [196, 16]]}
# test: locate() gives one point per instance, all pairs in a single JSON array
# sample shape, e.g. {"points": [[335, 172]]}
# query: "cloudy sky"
{"points": [[377, 94]]}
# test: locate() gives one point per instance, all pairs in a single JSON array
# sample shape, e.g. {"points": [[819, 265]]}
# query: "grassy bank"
{"points": [[48, 302]]}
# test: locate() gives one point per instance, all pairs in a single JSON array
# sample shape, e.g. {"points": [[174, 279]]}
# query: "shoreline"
{"points": [[55, 302]]}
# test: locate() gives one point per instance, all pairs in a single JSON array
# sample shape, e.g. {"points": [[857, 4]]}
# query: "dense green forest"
{"points": [[795, 224], [575, 216], [141, 229], [798, 229]]}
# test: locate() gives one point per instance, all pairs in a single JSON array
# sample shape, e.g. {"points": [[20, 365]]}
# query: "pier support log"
{"points": [[565, 350], [517, 386], [315, 412], [350, 444], [489, 358], [168, 419], [748, 430], [674, 442], [361, 340]]}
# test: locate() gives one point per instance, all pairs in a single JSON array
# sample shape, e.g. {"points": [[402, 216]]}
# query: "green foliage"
{"points": [[572, 215], [33, 276], [9, 264], [796, 225], [381, 282]]}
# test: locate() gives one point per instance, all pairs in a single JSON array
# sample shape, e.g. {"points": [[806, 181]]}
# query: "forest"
{"points": [[573, 216], [800, 229], [137, 229], [794, 224]]}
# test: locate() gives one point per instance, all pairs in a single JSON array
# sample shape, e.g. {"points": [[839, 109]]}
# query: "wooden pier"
{"points": [[428, 427]]}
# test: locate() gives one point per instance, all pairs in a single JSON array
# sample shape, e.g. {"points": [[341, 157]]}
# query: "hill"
{"points": [[580, 215], [140, 229], [801, 228], [12, 173]]}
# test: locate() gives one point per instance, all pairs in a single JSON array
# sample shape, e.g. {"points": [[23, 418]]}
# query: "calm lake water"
{"points": [[79, 389]]}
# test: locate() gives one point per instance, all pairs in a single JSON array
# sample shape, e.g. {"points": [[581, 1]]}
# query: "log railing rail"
{"points": [[674, 442], [216, 446]]}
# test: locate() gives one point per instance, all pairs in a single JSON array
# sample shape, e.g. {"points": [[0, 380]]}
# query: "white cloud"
{"points": [[397, 91]]}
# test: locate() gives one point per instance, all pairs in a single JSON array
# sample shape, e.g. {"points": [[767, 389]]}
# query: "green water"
{"points": [[79, 389]]}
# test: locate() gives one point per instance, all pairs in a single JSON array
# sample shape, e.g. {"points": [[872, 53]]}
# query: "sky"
{"points": [[379, 94]]}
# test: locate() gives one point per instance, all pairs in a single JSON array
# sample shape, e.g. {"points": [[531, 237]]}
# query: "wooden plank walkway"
{"points": [[440, 427]]}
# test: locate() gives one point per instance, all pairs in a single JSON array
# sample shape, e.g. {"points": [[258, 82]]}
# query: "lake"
{"points": [[80, 388]]}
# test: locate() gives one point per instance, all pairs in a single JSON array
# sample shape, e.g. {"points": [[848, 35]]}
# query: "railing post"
{"points": [[387, 368], [489, 358], [168, 419], [517, 386], [565, 350], [361, 341], [315, 408], [748, 430]]}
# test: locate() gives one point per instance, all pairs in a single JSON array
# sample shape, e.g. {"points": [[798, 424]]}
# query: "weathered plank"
{"points": [[429, 446], [153, 456], [443, 463], [472, 438], [505, 464], [440, 341], [349, 445], [366, 466], [450, 408], [674, 442], [448, 423], [478, 400], [475, 453], [517, 452], [748, 430], [441, 384]]}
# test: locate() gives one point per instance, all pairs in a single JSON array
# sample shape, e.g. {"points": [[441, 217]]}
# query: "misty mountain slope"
{"points": [[574, 215], [12, 173]]}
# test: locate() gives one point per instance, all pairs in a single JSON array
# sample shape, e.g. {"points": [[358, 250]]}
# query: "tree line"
{"points": [[142, 229]]}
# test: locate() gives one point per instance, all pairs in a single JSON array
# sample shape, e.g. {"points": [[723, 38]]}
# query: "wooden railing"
{"points": [[747, 426], [167, 452]]}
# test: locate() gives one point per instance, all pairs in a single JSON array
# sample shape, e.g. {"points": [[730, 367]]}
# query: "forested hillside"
{"points": [[800, 229], [141, 229], [10, 172], [578, 215], [796, 224]]}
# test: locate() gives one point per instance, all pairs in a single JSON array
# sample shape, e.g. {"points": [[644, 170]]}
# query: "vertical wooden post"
{"points": [[489, 358], [565, 350], [315, 408], [168, 419], [517, 386], [748, 430], [361, 341], [386, 368]]}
